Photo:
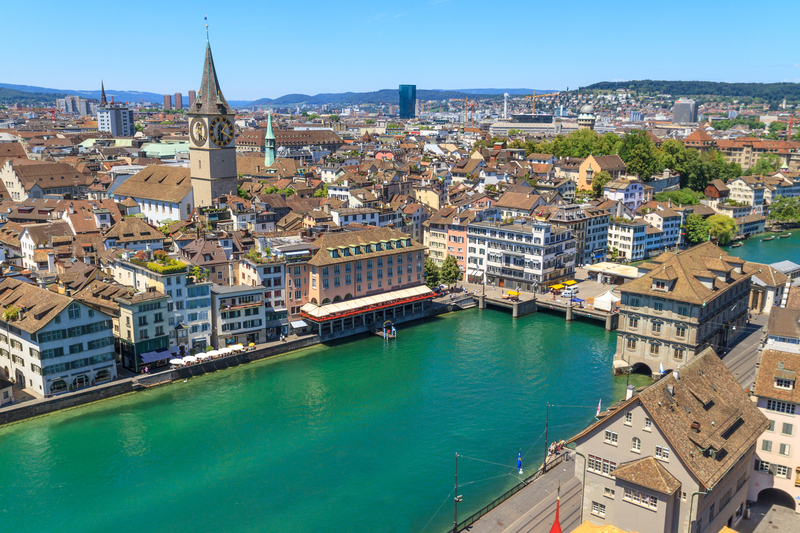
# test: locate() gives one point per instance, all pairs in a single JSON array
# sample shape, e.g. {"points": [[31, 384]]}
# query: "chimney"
{"points": [[696, 427], [629, 392]]}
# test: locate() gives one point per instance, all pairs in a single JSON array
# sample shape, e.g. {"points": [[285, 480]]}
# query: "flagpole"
{"points": [[456, 500], [546, 446]]}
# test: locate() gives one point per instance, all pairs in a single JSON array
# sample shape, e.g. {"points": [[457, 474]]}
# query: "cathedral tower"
{"points": [[212, 149]]}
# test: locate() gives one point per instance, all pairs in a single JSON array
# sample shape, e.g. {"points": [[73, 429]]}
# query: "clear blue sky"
{"points": [[270, 48]]}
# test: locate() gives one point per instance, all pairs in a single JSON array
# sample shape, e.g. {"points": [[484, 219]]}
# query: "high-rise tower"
{"points": [[269, 142], [211, 139]]}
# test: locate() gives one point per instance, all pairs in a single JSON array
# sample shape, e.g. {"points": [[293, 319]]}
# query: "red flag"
{"points": [[556, 525], [599, 402]]}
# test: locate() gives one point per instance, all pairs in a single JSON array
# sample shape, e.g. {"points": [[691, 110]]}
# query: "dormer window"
{"points": [[660, 285], [785, 384]]}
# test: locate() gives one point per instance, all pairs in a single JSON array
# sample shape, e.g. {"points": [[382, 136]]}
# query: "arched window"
{"points": [[58, 385], [80, 382], [348, 296], [326, 301], [102, 375], [314, 301], [636, 444], [74, 311], [337, 299]]}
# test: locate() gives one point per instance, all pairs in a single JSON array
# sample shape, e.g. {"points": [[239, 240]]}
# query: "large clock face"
{"points": [[198, 131], [221, 131]]}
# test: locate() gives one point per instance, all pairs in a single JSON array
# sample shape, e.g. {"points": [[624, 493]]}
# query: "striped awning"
{"points": [[323, 312]]}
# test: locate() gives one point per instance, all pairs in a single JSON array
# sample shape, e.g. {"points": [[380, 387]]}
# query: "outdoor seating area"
{"points": [[202, 357]]}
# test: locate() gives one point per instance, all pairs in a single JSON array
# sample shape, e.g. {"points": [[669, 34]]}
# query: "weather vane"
{"points": [[206, 19]]}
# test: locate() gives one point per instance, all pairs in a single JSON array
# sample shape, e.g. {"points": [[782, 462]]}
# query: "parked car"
{"points": [[569, 293]]}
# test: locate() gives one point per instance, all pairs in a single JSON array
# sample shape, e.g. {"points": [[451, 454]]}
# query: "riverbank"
{"points": [[20, 411], [314, 437]]}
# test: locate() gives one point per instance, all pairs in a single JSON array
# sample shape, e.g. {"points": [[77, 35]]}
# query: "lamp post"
{"points": [[456, 499]]}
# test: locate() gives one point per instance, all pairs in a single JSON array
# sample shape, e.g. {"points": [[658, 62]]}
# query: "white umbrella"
{"points": [[203, 356], [237, 347], [212, 353], [176, 361], [190, 359], [225, 351]]}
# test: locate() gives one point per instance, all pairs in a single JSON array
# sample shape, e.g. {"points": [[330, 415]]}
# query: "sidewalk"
{"points": [[741, 360], [533, 509]]}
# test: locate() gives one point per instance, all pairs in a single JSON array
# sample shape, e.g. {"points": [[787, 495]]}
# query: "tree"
{"points": [[450, 273], [640, 154], [696, 229], [334, 118], [431, 273], [785, 209], [369, 121], [614, 253], [321, 193], [766, 164], [241, 193], [138, 127], [683, 196], [599, 183], [722, 227]]}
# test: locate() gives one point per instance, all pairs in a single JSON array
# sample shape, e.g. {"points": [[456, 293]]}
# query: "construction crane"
{"points": [[533, 98], [472, 105]]}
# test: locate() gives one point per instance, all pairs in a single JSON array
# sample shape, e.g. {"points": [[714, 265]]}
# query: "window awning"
{"points": [[476, 273], [557, 287], [299, 324], [150, 357], [570, 282], [299, 252]]}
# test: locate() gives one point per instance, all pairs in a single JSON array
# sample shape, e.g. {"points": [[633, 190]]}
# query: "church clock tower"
{"points": [[212, 149]]}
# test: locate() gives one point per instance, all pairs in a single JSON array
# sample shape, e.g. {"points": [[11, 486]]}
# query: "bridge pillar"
{"points": [[609, 318], [481, 302], [515, 310], [569, 313]]}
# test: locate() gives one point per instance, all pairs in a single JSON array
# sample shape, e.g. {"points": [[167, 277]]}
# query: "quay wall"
{"points": [[39, 407]]}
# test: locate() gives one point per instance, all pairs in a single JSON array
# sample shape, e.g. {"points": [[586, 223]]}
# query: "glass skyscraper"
{"points": [[408, 101]]}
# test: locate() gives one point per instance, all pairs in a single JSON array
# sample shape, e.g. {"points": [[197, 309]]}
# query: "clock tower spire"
{"points": [[212, 149]]}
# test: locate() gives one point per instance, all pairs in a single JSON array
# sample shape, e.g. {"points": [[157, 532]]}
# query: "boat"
{"points": [[768, 238], [784, 236], [736, 245]]}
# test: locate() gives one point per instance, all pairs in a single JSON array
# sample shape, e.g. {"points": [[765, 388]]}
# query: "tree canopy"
{"points": [[450, 273], [785, 209], [683, 196], [696, 228], [722, 227], [599, 183], [766, 164], [431, 273]]}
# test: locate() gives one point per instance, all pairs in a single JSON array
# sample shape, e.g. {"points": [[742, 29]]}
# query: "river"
{"points": [[768, 252], [353, 436]]}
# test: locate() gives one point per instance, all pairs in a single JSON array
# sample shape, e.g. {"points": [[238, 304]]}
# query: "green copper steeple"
{"points": [[269, 142]]}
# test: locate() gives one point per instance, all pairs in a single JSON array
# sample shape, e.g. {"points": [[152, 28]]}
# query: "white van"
{"points": [[571, 292]]}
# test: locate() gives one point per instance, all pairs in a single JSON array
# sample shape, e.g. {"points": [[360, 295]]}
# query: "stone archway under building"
{"points": [[772, 496], [641, 368]]}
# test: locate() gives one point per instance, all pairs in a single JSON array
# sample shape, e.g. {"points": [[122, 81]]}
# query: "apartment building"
{"points": [[628, 237], [675, 458], [144, 337], [630, 192], [748, 150], [688, 301], [238, 315], [750, 191], [777, 457], [593, 165], [51, 343], [522, 255], [588, 225], [669, 222], [190, 297], [446, 234]]}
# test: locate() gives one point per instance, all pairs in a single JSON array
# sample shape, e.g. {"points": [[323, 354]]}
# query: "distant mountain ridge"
{"points": [[383, 96], [772, 92]]}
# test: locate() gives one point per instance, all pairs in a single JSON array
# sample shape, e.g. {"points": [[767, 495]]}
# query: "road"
{"points": [[533, 509], [741, 360]]}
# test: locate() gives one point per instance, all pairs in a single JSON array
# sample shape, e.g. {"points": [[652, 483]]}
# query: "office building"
{"points": [[178, 101], [687, 302], [116, 119], [636, 116], [167, 102], [408, 101], [684, 111]]}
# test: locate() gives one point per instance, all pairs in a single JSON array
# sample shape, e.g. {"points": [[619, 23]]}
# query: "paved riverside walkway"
{"points": [[533, 509]]}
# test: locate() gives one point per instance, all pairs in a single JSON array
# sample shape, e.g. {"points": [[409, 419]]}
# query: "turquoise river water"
{"points": [[354, 436], [768, 252]]}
